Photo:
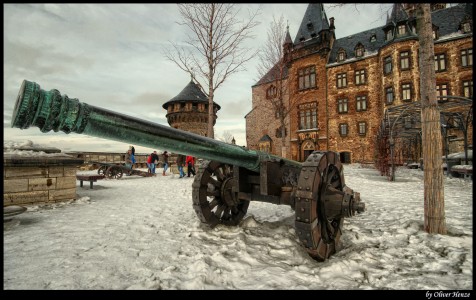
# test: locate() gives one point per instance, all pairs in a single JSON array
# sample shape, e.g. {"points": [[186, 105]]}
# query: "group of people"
{"points": [[153, 160], [182, 161]]}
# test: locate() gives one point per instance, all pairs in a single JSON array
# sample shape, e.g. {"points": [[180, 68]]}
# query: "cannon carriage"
{"points": [[230, 176]]}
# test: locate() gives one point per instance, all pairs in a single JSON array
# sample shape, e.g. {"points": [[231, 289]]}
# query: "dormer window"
{"points": [[466, 26], [388, 35], [435, 34], [359, 50], [341, 55], [373, 38], [402, 29], [310, 26]]}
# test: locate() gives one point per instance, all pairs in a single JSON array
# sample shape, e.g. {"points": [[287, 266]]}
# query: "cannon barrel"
{"points": [[49, 110], [225, 185]]}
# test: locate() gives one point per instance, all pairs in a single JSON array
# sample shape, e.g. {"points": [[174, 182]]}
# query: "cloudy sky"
{"points": [[143, 233], [111, 56]]}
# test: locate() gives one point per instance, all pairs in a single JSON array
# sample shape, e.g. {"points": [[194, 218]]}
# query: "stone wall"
{"points": [[34, 180]]}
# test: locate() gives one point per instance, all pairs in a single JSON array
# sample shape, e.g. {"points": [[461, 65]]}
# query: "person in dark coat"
{"points": [[165, 156], [180, 164]]}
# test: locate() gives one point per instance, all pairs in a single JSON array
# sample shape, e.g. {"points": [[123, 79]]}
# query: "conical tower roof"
{"points": [[190, 93], [314, 21]]}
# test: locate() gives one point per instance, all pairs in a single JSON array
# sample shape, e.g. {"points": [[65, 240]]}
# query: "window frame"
{"points": [[466, 58], [341, 126], [359, 124], [341, 80], [468, 88], [442, 87], [307, 78], [342, 105], [362, 75], [440, 58], [392, 92], [307, 113], [362, 100], [407, 88], [387, 61], [405, 59]]}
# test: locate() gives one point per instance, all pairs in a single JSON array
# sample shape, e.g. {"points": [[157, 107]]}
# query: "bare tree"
{"points": [[272, 68], [215, 49], [434, 204], [227, 137]]}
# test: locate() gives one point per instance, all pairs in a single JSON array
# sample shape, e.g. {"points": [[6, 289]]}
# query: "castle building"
{"points": [[338, 91], [188, 110]]}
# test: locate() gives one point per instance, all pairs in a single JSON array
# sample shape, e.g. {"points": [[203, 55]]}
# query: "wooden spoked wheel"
{"points": [[319, 203], [102, 170], [114, 172], [213, 198]]}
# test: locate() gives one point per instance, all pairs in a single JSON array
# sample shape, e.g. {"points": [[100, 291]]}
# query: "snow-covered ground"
{"points": [[142, 233]]}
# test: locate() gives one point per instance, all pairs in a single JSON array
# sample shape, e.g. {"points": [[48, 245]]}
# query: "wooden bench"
{"points": [[466, 173], [90, 178]]}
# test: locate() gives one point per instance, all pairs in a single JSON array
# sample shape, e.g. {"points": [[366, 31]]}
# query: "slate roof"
{"points": [[190, 93], [447, 20]]}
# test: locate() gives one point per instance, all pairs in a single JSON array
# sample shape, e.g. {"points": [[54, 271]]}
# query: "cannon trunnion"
{"points": [[227, 180]]}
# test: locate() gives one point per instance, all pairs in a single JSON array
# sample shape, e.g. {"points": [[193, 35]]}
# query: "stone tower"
{"points": [[188, 110]]}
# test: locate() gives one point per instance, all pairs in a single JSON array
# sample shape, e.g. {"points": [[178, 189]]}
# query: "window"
{"points": [[362, 128], [341, 55], [308, 115], [279, 132], [406, 92], [401, 29], [389, 95], [271, 92], [388, 35], [373, 38], [435, 34], [359, 51], [342, 106], [307, 77], [387, 65], [359, 77], [343, 129], [466, 27], [468, 89], [341, 80], [361, 103], [404, 60], [440, 62], [265, 147], [467, 57], [442, 90]]}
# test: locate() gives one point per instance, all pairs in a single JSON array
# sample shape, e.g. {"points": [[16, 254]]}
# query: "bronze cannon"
{"points": [[229, 178]]}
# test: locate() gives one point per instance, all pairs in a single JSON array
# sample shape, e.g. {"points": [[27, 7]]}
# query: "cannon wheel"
{"points": [[114, 172], [213, 199], [102, 170], [319, 234]]}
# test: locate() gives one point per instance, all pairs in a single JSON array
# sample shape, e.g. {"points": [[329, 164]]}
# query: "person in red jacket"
{"points": [[190, 162]]}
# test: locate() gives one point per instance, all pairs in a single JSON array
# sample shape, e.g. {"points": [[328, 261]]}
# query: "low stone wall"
{"points": [[39, 179]]}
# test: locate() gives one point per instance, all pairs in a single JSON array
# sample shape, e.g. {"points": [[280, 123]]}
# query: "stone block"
{"points": [[56, 171], [15, 185], [26, 172], [62, 195], [41, 184], [25, 198]]}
